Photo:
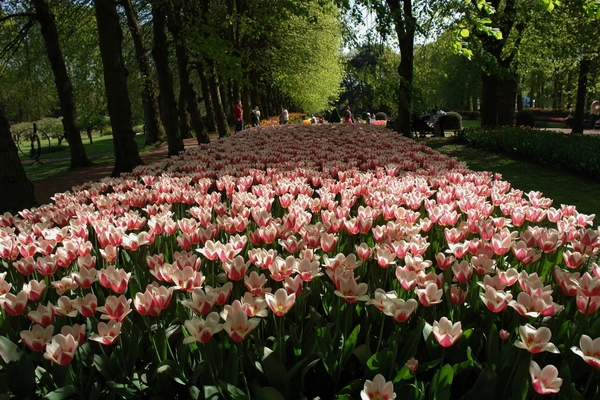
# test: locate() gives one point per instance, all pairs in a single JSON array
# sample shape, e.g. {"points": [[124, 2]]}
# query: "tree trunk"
{"points": [[79, 157], [154, 127], [405, 24], [215, 95], [184, 117], [489, 100], [580, 108], [206, 97], [507, 93], [115, 80], [191, 98], [18, 190], [168, 104]]}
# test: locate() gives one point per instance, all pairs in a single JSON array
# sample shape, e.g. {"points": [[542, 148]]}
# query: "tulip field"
{"points": [[303, 261]]}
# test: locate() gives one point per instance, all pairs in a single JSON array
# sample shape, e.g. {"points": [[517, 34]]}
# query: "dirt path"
{"points": [[44, 190]]}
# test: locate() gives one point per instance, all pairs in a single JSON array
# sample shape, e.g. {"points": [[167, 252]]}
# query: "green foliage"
{"points": [[444, 79], [525, 118], [308, 68], [577, 153], [381, 116], [372, 80], [53, 127]]}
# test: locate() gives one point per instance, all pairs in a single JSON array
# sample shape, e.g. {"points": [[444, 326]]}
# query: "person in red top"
{"points": [[238, 115]]}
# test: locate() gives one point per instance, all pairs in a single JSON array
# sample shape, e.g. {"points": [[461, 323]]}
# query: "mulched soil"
{"points": [[45, 190]]}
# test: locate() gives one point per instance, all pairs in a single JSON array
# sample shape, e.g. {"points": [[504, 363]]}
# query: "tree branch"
{"points": [[17, 15]]}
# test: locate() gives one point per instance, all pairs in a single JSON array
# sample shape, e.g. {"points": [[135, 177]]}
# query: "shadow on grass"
{"points": [[562, 186]]}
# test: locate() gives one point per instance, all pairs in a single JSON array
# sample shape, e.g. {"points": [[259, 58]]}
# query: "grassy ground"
{"points": [[100, 152], [475, 123], [563, 187]]}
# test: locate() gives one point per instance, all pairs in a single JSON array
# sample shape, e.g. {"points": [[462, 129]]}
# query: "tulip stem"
{"points": [[211, 368], [587, 385]]}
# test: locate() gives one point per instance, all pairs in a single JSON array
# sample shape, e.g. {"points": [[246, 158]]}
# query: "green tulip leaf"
{"points": [[8, 350], [62, 393]]}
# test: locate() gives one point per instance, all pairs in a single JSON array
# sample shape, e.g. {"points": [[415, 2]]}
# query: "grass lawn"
{"points": [[561, 186], [100, 152], [476, 123]]}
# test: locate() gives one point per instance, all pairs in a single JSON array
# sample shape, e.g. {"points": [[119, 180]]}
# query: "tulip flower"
{"points": [[15, 305], [399, 309], [351, 291], [114, 279], [43, 315], [87, 305], [115, 308], [544, 381], [107, 332], [445, 333], [503, 334], [412, 364], [37, 337], [75, 330], [201, 302], [255, 283], [202, 330], [589, 350], [255, 306], [535, 340], [238, 326], [236, 268], [380, 298], [495, 300], [61, 350], [378, 389], [280, 302], [65, 307], [430, 295], [34, 289]]}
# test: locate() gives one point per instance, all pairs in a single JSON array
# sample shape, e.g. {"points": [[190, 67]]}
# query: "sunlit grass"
{"points": [[563, 187]]}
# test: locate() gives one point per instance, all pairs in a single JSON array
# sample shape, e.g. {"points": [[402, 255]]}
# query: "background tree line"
{"points": [[178, 66]]}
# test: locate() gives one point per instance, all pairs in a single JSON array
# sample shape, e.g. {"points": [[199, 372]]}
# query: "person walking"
{"points": [[255, 116], [594, 111], [238, 115], [284, 117], [348, 115]]}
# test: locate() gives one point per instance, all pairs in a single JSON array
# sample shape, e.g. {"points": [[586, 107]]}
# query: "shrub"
{"points": [[381, 116], [334, 118], [577, 153], [453, 121], [525, 118], [470, 114], [52, 126]]}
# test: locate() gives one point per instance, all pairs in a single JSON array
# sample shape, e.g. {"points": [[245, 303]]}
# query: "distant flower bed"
{"points": [[378, 122], [318, 260]]}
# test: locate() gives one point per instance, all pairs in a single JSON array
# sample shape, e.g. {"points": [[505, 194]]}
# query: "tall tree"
{"points": [[18, 190], [167, 102], [63, 84], [115, 80], [175, 24], [153, 123]]}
